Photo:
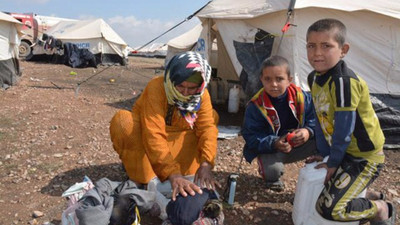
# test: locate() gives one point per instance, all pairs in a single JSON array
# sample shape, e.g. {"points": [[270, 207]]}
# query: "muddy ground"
{"points": [[53, 134]]}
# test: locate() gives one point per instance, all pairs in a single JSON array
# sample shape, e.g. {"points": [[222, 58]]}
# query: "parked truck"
{"points": [[33, 27]]}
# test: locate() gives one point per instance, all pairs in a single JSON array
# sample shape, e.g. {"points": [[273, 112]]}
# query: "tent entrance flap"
{"points": [[251, 56]]}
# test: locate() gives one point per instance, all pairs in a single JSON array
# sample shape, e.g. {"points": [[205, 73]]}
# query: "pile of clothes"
{"points": [[121, 203]]}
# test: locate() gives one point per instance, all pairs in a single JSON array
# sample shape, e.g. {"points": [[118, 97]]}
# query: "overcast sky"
{"points": [[137, 22]]}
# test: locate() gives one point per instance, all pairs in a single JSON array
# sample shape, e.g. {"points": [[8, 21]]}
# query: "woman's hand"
{"points": [[205, 178], [182, 186]]}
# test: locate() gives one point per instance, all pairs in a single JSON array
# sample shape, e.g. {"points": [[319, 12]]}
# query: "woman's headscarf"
{"points": [[178, 70]]}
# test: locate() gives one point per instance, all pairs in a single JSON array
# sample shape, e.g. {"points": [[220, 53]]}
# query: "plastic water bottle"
{"points": [[309, 186], [233, 102], [232, 188]]}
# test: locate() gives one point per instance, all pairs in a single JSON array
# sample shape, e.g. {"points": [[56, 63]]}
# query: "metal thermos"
{"points": [[232, 188]]}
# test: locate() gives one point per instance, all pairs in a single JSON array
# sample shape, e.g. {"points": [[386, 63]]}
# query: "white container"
{"points": [[213, 88], [309, 186], [233, 102]]}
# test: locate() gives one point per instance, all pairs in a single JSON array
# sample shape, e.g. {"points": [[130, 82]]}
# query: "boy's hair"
{"points": [[328, 25], [275, 60]]}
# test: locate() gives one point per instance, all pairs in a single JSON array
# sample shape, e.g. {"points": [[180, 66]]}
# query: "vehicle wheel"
{"points": [[24, 49]]}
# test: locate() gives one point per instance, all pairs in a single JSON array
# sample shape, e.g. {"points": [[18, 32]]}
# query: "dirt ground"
{"points": [[53, 134]]}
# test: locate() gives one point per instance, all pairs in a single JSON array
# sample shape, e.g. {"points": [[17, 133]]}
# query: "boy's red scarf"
{"points": [[295, 99]]}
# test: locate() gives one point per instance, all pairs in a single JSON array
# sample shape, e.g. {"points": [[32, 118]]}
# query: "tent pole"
{"points": [[287, 24], [209, 41]]}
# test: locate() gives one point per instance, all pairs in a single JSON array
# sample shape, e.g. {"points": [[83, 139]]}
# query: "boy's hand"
{"points": [[314, 158], [281, 145], [329, 173], [300, 137]]}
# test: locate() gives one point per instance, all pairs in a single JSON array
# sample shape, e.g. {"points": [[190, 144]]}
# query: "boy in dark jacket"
{"points": [[278, 112]]}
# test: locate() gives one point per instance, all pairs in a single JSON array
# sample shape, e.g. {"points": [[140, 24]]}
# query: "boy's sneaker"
{"points": [[276, 186], [392, 217], [375, 195]]}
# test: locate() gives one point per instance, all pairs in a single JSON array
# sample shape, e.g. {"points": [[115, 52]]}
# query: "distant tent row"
{"points": [[94, 35], [158, 50], [9, 41], [248, 31]]}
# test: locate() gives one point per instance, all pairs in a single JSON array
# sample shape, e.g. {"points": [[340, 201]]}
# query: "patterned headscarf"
{"points": [[179, 69]]}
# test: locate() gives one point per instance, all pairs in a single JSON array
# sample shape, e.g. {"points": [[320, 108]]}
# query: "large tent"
{"points": [[248, 31], [189, 42], [95, 35], [9, 40]]}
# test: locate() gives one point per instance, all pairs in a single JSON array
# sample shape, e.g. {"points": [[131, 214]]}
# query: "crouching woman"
{"points": [[169, 139]]}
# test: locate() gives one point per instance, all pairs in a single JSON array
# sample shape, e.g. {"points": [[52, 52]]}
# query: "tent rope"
{"points": [[78, 85], [186, 19]]}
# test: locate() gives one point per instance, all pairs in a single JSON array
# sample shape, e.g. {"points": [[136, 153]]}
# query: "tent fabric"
{"points": [[85, 29], [10, 30], [368, 25], [244, 9], [183, 43], [187, 39], [7, 18], [95, 35], [373, 31]]}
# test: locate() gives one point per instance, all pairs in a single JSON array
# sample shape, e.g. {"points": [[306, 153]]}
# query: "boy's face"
{"points": [[323, 51], [275, 80]]}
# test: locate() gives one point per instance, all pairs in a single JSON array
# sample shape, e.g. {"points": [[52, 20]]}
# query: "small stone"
{"points": [[393, 192], [37, 214], [33, 222], [246, 212], [58, 155], [276, 213]]}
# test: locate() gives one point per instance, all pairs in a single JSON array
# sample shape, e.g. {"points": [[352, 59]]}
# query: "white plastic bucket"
{"points": [[309, 186]]}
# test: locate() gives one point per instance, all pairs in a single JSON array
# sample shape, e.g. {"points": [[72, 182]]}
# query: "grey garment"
{"points": [[97, 204], [272, 165], [163, 192]]}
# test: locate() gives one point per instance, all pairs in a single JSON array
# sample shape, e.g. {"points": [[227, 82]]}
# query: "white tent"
{"points": [[248, 31], [184, 42], [373, 34], [189, 42], [95, 35], [9, 40]]}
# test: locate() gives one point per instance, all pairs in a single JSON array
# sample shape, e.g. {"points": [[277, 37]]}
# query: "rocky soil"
{"points": [[52, 134]]}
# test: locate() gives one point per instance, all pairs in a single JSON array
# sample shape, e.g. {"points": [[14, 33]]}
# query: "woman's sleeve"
{"points": [[206, 130], [154, 136]]}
